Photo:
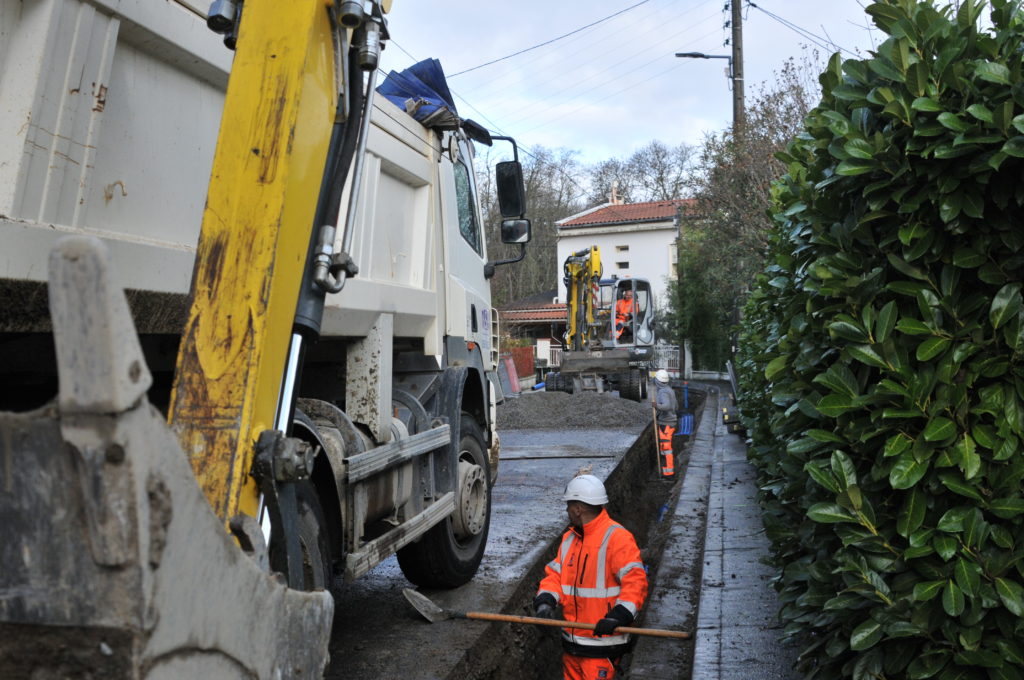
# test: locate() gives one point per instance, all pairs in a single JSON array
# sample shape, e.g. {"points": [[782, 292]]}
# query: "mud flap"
{"points": [[112, 561]]}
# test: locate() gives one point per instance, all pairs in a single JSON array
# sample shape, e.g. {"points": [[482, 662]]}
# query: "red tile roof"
{"points": [[533, 313], [629, 213], [534, 316]]}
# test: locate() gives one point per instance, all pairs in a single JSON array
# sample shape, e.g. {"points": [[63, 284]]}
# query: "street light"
{"points": [[737, 84]]}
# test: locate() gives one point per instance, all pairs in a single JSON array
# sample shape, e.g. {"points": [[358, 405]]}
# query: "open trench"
{"points": [[546, 439], [640, 499]]}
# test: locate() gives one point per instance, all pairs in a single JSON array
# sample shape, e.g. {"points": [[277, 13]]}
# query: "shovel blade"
{"points": [[421, 603]]}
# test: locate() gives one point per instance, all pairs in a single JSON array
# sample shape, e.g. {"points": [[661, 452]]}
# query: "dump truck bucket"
{"points": [[112, 563]]}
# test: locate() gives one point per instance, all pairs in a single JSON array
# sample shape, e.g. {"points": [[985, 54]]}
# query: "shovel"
{"points": [[431, 612]]}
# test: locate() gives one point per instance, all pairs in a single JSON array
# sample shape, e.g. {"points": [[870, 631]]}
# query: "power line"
{"points": [[608, 96], [824, 43], [579, 86], [592, 41], [456, 94], [523, 149], [548, 42], [525, 116]]}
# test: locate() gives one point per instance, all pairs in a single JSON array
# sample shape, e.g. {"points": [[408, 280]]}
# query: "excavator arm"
{"points": [[582, 277], [115, 560]]}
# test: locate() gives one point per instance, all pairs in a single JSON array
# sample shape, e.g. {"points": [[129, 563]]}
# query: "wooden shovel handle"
{"points": [[622, 630]]}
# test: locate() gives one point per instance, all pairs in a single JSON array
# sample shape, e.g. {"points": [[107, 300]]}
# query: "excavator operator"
{"points": [[625, 308]]}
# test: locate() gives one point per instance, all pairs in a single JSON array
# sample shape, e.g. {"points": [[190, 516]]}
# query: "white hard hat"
{"points": [[661, 376], [586, 489]]}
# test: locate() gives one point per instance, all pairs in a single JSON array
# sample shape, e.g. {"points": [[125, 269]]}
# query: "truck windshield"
{"points": [[467, 211]]}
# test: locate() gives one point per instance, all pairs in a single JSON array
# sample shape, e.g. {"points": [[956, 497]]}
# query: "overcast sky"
{"points": [[611, 88]]}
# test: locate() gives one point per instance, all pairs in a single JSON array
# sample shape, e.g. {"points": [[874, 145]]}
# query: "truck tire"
{"points": [[314, 539], [631, 386], [563, 383], [317, 573], [449, 554]]}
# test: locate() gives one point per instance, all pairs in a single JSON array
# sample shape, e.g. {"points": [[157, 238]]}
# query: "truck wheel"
{"points": [[448, 555], [631, 387], [314, 539], [316, 554]]}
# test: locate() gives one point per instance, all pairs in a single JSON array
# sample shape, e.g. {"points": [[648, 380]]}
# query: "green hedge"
{"points": [[881, 355]]}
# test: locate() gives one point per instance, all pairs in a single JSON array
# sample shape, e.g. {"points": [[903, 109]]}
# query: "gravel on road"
{"points": [[560, 410]]}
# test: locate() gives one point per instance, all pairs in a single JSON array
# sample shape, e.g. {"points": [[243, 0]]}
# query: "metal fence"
{"points": [[667, 357]]}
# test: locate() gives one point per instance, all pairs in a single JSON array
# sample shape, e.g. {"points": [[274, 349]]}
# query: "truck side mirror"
{"points": [[515, 231], [511, 195]]}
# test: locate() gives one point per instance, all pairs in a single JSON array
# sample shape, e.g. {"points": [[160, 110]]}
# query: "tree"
{"points": [[662, 172], [656, 172], [722, 244], [553, 191], [604, 175]]}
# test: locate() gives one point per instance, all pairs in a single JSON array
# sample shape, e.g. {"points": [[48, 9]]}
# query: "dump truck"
{"points": [[247, 342], [609, 337]]}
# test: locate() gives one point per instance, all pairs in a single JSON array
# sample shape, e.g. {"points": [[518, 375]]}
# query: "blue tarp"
{"points": [[422, 91]]}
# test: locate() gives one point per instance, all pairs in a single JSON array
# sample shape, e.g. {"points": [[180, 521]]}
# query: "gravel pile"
{"points": [[560, 410]]}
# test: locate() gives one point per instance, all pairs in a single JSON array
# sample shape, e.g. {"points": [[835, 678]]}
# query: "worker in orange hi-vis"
{"points": [[625, 308], [666, 408], [597, 576]]}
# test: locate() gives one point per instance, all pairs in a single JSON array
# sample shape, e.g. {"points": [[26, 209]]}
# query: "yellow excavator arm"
{"points": [[267, 171], [582, 277], [144, 568]]}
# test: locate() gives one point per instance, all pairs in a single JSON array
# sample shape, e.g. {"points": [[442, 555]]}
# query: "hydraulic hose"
{"points": [[310, 309]]}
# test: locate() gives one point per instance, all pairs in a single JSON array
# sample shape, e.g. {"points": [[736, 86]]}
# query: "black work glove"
{"points": [[544, 605], [617, 616]]}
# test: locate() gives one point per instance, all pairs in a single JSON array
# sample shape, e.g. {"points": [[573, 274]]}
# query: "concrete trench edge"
{"points": [[676, 601]]}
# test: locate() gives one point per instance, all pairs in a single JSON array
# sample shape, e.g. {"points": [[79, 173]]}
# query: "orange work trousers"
{"points": [[665, 433], [582, 668]]}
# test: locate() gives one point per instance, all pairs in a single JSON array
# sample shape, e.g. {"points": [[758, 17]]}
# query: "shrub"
{"points": [[881, 355]]}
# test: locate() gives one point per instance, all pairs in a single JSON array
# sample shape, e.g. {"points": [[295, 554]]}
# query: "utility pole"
{"points": [[738, 117]]}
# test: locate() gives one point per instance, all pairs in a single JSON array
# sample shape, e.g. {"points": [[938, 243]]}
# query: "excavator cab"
{"points": [[628, 312], [609, 334]]}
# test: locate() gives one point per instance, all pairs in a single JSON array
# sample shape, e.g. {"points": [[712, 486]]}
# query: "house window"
{"points": [[622, 249], [673, 260], [622, 265]]}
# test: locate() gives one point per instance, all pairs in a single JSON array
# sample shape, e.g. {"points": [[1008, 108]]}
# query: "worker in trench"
{"points": [[597, 577], [666, 409]]}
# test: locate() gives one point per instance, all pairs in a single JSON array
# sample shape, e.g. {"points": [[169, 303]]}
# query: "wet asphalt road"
{"points": [[377, 634]]}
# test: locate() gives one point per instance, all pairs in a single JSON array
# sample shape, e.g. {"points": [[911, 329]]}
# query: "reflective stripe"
{"points": [[628, 605], [605, 641], [626, 569], [566, 544], [602, 558], [551, 593], [601, 593], [556, 564]]}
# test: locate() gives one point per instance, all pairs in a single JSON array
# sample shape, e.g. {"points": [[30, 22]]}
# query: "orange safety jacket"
{"points": [[596, 568], [623, 310]]}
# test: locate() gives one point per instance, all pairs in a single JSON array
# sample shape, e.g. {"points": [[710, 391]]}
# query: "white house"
{"points": [[636, 240]]}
